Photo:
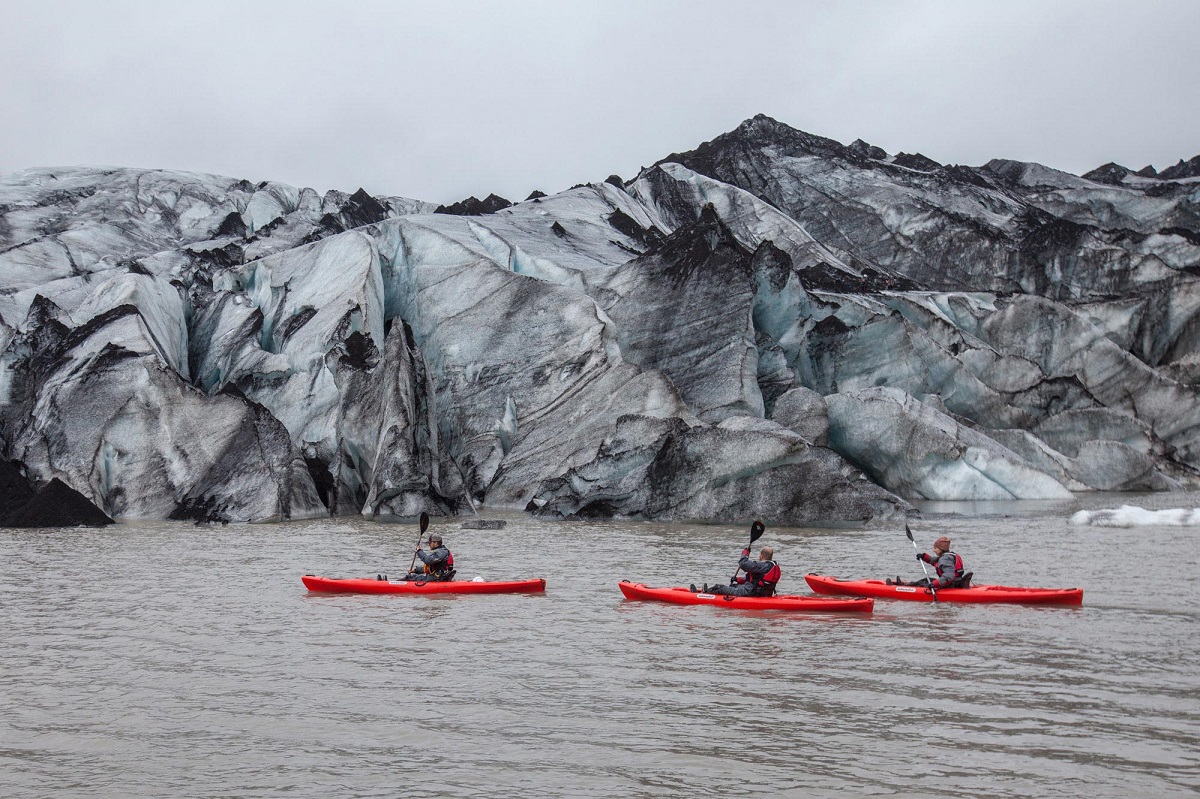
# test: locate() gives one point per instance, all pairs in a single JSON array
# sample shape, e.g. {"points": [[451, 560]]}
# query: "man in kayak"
{"points": [[948, 564], [436, 564], [760, 579]]}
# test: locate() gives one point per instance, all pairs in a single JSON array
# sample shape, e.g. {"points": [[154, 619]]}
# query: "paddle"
{"points": [[932, 590], [756, 531], [424, 526]]}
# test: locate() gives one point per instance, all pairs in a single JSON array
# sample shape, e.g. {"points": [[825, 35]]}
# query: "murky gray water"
{"points": [[167, 660]]}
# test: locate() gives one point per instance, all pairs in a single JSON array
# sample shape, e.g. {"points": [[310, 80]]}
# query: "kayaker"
{"points": [[760, 579], [436, 564], [948, 564]]}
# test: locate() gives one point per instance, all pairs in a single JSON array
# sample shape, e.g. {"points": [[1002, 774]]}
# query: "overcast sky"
{"points": [[441, 100]]}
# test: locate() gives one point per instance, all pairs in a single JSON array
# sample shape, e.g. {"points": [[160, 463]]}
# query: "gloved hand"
{"points": [[920, 556], [746, 553]]}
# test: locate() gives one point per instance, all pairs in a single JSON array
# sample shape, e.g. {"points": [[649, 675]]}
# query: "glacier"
{"points": [[774, 325]]}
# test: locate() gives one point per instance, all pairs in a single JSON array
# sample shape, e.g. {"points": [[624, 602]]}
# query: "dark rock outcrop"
{"points": [[1183, 169], [475, 207], [916, 161], [58, 505], [15, 490], [362, 209], [55, 504], [1110, 174], [867, 150]]}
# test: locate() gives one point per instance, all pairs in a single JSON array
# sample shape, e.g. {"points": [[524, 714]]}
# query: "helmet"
{"points": [[435, 537]]}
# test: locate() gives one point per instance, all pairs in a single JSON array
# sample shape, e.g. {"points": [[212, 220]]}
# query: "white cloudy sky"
{"points": [[440, 100]]}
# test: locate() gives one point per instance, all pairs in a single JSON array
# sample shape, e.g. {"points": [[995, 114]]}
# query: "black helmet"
{"points": [[435, 537]]}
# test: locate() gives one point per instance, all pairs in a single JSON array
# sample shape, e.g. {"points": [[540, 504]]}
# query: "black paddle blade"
{"points": [[756, 530], [424, 521], [908, 532]]}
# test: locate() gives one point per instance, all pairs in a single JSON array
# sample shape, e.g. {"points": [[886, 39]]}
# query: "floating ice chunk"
{"points": [[1133, 516]]}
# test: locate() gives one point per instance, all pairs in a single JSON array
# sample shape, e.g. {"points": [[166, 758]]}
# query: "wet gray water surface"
{"points": [[162, 659]]}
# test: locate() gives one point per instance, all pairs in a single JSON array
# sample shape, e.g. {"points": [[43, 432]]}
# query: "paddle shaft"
{"points": [[424, 525], [928, 579]]}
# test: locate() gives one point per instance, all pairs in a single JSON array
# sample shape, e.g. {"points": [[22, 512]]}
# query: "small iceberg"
{"points": [[483, 524], [1132, 516]]}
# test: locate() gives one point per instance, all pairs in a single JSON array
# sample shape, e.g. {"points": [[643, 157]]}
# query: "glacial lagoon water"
{"points": [[170, 660]]}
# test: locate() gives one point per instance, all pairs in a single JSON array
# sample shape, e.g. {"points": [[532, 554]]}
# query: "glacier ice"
{"points": [[917, 451], [773, 325]]}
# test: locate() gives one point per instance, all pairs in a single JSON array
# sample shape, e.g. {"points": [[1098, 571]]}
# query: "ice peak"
{"points": [[1111, 173], [754, 135], [473, 206], [1184, 169], [867, 150]]}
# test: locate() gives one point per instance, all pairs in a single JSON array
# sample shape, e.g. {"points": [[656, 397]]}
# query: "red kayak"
{"points": [[361, 585], [684, 596], [980, 594]]}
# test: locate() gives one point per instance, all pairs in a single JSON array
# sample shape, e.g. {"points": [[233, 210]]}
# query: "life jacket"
{"points": [[442, 571], [958, 566], [766, 583]]}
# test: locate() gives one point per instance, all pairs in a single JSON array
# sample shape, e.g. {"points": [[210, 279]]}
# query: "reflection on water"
{"points": [[163, 659]]}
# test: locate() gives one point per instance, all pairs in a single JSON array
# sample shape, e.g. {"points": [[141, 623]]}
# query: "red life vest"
{"points": [[767, 581], [441, 570], [958, 566]]}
